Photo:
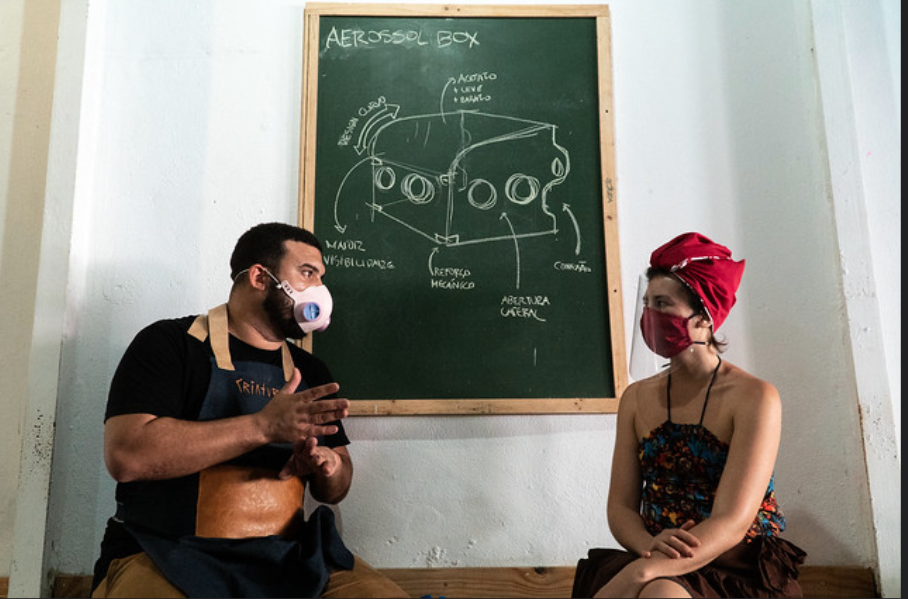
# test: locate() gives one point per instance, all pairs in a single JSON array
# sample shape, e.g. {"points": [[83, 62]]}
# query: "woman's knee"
{"points": [[663, 587]]}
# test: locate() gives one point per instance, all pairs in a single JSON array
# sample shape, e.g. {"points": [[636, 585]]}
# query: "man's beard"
{"points": [[279, 308]]}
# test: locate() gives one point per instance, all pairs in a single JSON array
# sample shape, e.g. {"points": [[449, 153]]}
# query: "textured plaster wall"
{"points": [[877, 94], [27, 56], [10, 428], [718, 129]]}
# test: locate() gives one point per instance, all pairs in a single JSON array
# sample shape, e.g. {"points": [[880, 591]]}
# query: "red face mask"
{"points": [[666, 334]]}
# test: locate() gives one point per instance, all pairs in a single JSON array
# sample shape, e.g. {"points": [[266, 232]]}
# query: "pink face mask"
{"points": [[311, 307], [666, 334]]}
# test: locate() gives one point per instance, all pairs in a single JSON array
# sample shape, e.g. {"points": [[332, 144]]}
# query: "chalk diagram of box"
{"points": [[467, 177]]}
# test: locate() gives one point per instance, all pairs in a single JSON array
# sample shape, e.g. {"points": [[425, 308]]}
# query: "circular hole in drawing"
{"points": [[481, 194], [384, 178], [557, 167], [521, 189], [417, 188]]}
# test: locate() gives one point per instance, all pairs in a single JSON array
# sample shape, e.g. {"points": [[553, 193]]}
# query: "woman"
{"points": [[691, 495]]}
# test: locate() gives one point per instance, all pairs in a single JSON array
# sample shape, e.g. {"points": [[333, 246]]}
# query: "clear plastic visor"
{"points": [[644, 361]]}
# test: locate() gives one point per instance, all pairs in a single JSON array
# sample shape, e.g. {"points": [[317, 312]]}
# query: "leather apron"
{"points": [[251, 537], [241, 501]]}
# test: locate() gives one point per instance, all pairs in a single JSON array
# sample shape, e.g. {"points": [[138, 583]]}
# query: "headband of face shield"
{"points": [[311, 307]]}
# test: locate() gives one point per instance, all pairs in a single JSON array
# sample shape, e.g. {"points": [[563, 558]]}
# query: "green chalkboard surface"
{"points": [[457, 165]]}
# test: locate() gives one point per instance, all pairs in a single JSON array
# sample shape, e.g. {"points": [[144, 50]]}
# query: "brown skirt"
{"points": [[765, 567]]}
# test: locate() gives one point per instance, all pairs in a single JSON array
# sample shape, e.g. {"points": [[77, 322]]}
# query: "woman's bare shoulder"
{"points": [[750, 392], [641, 404], [645, 389]]}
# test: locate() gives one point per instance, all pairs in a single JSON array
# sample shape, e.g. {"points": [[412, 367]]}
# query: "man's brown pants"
{"points": [[137, 576]]}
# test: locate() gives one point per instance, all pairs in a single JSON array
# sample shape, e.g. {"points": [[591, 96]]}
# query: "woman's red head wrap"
{"points": [[704, 266]]}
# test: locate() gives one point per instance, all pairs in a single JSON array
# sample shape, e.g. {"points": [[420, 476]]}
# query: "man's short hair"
{"points": [[264, 244]]}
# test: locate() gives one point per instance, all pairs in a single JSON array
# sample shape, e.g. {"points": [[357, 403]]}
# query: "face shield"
{"points": [[644, 361], [659, 334]]}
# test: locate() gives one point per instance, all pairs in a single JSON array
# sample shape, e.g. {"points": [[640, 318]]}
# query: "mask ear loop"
{"points": [[273, 278], [710, 325], [268, 272]]}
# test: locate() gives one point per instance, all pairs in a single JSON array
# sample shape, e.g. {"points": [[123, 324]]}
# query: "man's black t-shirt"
{"points": [[165, 371]]}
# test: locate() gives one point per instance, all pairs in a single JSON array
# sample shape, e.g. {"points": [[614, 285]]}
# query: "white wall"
{"points": [[719, 128], [877, 95], [864, 161]]}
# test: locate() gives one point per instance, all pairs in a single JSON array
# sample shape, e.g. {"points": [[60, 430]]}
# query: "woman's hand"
{"points": [[675, 542]]}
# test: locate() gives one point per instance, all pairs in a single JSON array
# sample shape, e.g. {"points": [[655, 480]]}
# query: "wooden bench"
{"points": [[453, 583], [816, 581]]}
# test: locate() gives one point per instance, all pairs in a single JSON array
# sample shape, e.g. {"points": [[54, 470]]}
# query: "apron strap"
{"points": [[199, 328], [215, 324], [287, 362]]}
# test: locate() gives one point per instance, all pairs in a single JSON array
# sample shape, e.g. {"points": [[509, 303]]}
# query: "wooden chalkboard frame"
{"points": [[308, 136]]}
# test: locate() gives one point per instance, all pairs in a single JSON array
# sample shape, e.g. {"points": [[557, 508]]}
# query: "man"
{"points": [[214, 425]]}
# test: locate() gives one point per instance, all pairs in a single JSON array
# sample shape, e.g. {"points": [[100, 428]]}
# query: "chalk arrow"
{"points": [[365, 134], [337, 224], [432, 253], [504, 216], [567, 208]]}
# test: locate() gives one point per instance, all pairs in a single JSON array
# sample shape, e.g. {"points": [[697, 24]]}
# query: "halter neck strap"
{"points": [[668, 393]]}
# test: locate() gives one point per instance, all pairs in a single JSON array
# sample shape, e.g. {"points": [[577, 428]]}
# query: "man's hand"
{"points": [[294, 417], [311, 458]]}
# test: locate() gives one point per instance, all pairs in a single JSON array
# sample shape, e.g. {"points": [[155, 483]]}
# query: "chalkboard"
{"points": [[457, 163]]}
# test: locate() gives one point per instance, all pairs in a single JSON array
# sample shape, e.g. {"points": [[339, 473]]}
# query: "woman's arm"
{"points": [[624, 520], [751, 458]]}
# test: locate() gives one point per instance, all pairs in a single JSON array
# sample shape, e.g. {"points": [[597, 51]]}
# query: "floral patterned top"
{"points": [[682, 465]]}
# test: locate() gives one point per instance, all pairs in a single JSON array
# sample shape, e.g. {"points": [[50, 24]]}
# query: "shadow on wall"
{"points": [[115, 298], [805, 529], [135, 240], [778, 177]]}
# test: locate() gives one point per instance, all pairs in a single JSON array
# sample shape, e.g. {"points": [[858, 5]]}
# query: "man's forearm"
{"points": [[163, 448]]}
